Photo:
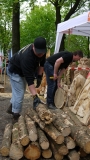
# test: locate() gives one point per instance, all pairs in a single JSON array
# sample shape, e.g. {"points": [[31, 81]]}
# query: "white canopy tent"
{"points": [[79, 25]]}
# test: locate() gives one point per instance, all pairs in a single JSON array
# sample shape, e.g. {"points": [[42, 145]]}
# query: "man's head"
{"points": [[39, 46], [77, 55]]}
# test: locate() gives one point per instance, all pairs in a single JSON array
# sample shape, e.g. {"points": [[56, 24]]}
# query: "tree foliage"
{"points": [[39, 22]]}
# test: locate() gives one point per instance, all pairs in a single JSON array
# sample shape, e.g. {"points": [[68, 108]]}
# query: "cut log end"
{"points": [[32, 152], [24, 141], [66, 131], [4, 151], [47, 153], [87, 147], [45, 145], [60, 139]]}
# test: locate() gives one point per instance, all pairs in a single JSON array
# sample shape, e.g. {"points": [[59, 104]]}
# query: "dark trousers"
{"points": [[51, 84]]}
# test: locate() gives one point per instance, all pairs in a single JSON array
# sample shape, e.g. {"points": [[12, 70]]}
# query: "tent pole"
{"points": [[88, 49]]}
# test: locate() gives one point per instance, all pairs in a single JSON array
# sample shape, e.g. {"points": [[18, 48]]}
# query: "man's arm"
{"points": [[58, 62], [59, 76]]}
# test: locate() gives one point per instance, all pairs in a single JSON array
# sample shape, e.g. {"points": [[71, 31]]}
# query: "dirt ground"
{"points": [[5, 118]]}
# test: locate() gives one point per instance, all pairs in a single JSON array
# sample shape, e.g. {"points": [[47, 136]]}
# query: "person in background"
{"points": [[21, 69], [55, 66]]}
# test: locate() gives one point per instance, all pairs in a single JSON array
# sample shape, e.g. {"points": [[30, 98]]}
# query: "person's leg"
{"points": [[18, 85], [18, 89], [51, 84]]}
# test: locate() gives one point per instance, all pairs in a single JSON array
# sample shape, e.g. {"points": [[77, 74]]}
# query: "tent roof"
{"points": [[79, 25]]}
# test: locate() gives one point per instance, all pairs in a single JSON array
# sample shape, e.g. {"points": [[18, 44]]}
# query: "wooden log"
{"points": [[34, 116], [82, 139], [56, 155], [73, 155], [82, 153], [16, 149], [61, 126], [70, 143], [61, 148], [71, 116], [23, 133], [47, 153], [6, 141], [44, 114], [33, 151], [15, 133], [49, 129], [31, 128], [54, 133], [43, 141]]}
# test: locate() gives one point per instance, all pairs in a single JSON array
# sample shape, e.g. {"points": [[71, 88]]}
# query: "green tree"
{"points": [[39, 22], [65, 9]]}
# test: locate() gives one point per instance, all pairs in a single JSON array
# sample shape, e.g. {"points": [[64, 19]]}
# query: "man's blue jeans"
{"points": [[18, 85], [51, 84]]}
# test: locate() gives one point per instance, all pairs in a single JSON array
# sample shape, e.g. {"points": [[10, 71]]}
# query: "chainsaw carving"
{"points": [[75, 89], [82, 105]]}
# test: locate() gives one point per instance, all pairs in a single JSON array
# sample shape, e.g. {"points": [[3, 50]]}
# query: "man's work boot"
{"points": [[51, 106], [15, 117], [9, 110]]}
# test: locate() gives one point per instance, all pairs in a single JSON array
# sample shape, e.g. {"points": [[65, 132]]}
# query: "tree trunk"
{"points": [[31, 128], [15, 27], [6, 141]]}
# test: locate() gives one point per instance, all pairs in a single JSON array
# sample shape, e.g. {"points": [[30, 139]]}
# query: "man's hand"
{"points": [[55, 76], [39, 79], [36, 101]]}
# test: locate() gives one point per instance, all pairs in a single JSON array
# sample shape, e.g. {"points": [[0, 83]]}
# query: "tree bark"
{"points": [[44, 114], [54, 133], [34, 116], [6, 141], [43, 141], [31, 128], [16, 149], [62, 127], [23, 133], [16, 27]]}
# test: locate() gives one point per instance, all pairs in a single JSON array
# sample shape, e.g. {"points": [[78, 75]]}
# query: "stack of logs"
{"points": [[46, 133]]}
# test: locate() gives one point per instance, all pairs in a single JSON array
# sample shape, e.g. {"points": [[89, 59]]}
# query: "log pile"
{"points": [[31, 137]]}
